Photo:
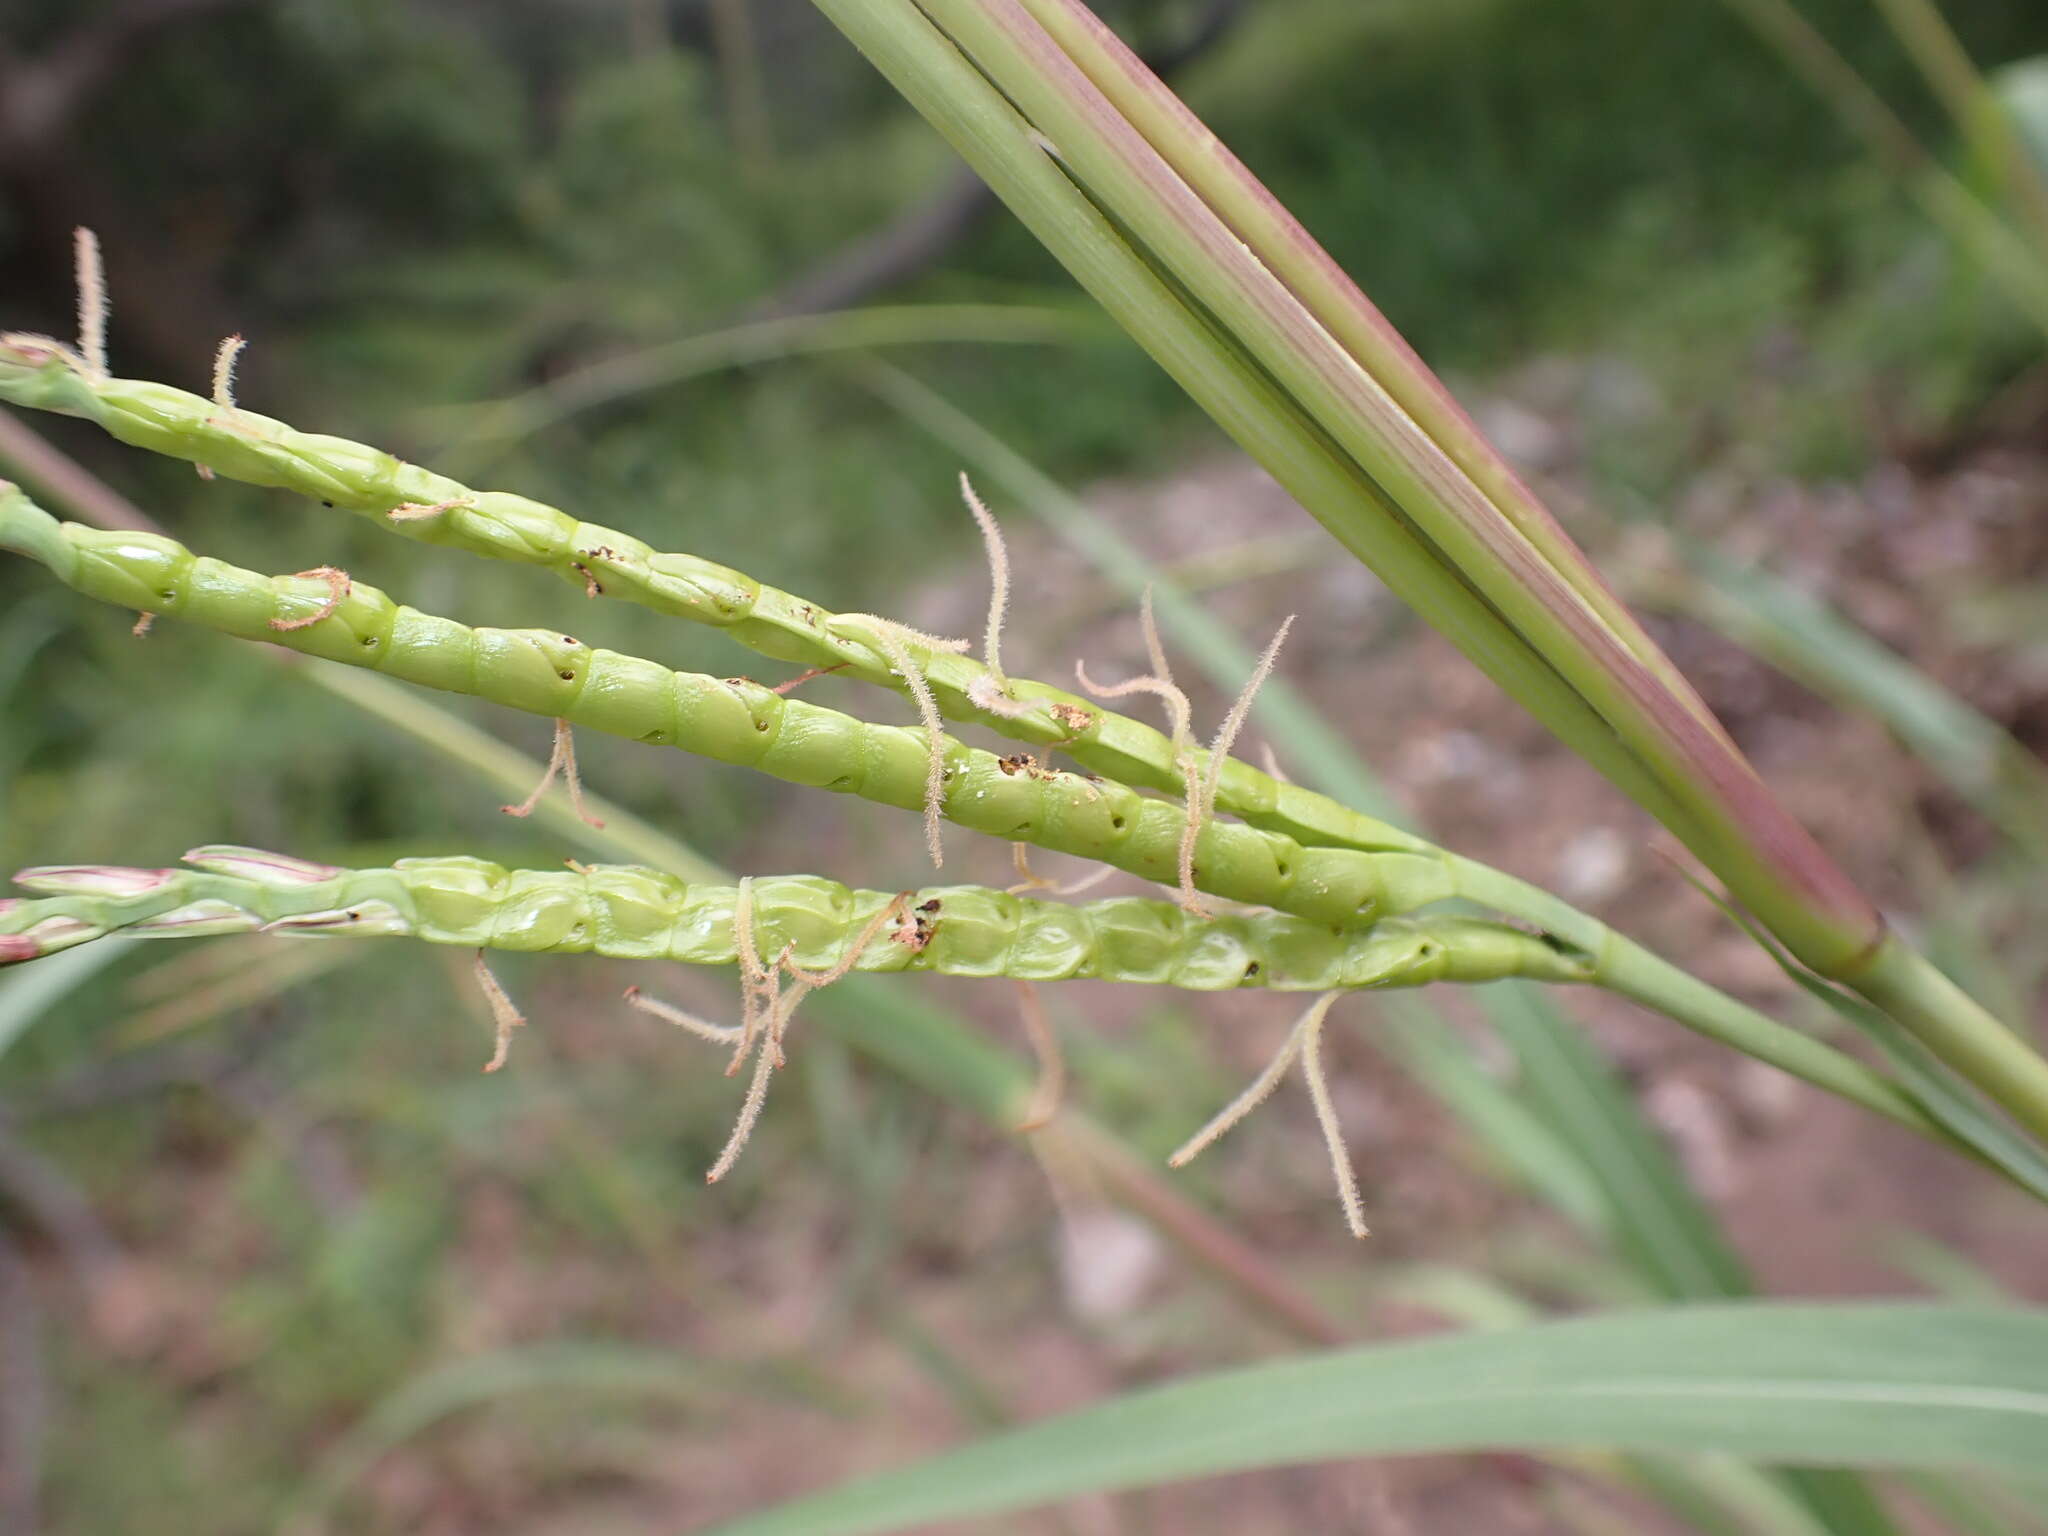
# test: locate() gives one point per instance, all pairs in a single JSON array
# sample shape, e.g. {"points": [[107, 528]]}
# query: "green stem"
{"points": [[1949, 1022], [1623, 966]]}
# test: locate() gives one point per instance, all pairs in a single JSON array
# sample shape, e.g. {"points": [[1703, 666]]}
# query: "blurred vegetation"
{"points": [[413, 207]]}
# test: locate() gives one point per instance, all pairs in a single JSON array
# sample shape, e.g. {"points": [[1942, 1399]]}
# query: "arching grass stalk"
{"points": [[730, 719], [1193, 258]]}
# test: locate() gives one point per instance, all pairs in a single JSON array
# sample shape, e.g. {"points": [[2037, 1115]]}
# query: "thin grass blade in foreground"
{"points": [[1796, 633], [1873, 1385]]}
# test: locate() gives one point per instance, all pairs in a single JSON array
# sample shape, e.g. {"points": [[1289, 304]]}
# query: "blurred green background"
{"points": [[274, 1251]]}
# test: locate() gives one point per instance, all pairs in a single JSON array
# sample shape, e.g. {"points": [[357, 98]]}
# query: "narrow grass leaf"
{"points": [[1911, 1385], [27, 994], [1809, 642], [1658, 1219], [1528, 1146]]}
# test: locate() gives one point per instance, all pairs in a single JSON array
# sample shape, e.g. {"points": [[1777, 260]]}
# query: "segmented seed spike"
{"points": [[736, 721], [41, 373], [640, 914]]}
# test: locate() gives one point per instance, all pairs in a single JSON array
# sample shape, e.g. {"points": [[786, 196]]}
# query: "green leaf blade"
{"points": [[1886, 1384]]}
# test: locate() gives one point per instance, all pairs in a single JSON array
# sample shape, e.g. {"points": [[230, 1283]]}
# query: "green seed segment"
{"points": [[641, 914], [731, 720], [433, 509]]}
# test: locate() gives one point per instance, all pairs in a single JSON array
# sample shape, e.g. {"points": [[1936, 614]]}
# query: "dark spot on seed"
{"points": [[1117, 822], [930, 906], [1251, 970], [760, 725], [369, 642], [326, 503], [569, 640]]}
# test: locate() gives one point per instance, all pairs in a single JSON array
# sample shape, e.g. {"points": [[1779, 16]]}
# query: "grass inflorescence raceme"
{"points": [[1336, 885]]}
